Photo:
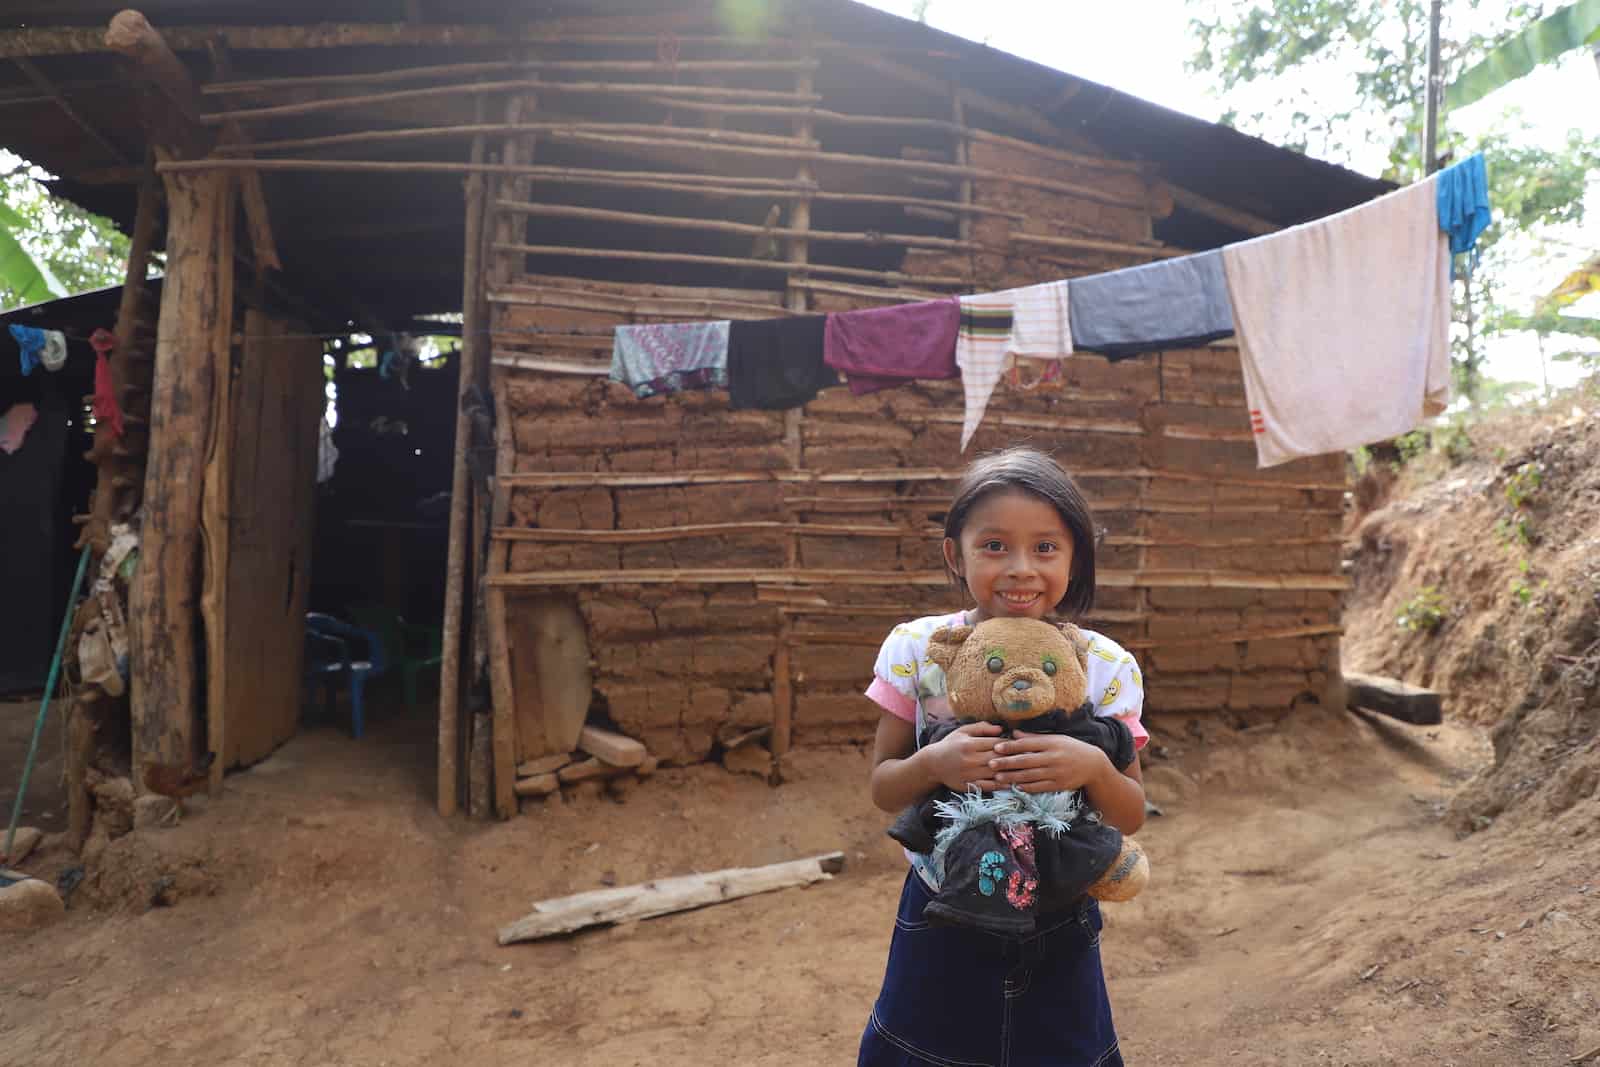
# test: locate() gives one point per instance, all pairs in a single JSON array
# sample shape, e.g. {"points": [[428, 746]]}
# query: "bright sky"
{"points": [[1095, 41]]}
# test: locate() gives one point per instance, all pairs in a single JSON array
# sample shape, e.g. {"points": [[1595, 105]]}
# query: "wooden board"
{"points": [[277, 400], [1394, 698], [551, 683], [666, 895]]}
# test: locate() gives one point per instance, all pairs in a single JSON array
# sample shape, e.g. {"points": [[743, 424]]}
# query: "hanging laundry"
{"points": [[106, 409], [1177, 303], [327, 451], [36, 347], [1033, 322], [777, 363], [880, 348], [670, 357], [1464, 206], [14, 426], [1344, 325]]}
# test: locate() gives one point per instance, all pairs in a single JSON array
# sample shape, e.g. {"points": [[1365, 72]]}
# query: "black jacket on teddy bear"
{"points": [[1001, 873]]}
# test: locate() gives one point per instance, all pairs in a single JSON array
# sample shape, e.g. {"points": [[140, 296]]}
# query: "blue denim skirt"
{"points": [[963, 998]]}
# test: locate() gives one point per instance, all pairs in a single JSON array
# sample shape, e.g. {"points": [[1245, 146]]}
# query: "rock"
{"points": [[648, 767], [26, 839], [537, 786], [152, 810], [543, 765], [113, 806], [29, 905], [587, 790], [749, 759], [585, 771], [619, 787]]}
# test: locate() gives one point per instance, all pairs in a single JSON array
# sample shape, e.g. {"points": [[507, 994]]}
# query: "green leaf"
{"points": [[25, 276], [1571, 27]]}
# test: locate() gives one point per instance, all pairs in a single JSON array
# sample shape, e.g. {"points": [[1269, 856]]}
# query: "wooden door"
{"points": [[275, 404]]}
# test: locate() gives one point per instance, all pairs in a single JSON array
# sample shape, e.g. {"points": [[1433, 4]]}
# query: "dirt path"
{"points": [[1310, 907]]}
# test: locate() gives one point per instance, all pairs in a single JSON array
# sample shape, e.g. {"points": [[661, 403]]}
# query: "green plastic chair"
{"points": [[413, 647]]}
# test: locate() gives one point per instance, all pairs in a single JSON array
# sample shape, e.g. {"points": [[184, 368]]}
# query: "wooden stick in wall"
{"points": [[387, 136], [309, 107], [402, 74], [893, 277]]}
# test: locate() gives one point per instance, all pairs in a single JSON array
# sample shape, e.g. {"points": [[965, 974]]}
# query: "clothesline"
{"points": [[1342, 325]]}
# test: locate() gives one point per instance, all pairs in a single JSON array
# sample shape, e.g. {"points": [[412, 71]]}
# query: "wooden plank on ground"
{"points": [[647, 900], [1394, 698]]}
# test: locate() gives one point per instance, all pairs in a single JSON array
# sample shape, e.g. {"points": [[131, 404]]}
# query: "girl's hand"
{"points": [[961, 759], [1047, 763]]}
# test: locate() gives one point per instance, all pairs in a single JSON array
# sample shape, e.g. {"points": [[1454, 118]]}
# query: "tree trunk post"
{"points": [[192, 339]]}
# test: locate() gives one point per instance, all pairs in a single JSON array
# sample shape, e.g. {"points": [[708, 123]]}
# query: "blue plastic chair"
{"points": [[328, 642]]}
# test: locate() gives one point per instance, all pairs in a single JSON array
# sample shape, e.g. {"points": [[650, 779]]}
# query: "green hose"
{"points": [[44, 705]]}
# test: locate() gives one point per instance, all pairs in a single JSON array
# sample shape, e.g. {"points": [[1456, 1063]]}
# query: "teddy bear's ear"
{"points": [[1079, 643], [945, 643]]}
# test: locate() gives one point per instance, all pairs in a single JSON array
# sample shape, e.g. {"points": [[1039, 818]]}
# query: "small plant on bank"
{"points": [[1523, 485], [1424, 612], [1523, 587]]}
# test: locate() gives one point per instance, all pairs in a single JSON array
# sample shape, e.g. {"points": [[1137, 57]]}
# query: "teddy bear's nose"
{"points": [[1021, 685]]}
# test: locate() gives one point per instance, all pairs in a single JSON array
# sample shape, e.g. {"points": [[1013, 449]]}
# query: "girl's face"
{"points": [[1015, 555]]}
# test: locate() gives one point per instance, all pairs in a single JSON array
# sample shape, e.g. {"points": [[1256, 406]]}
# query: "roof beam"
{"points": [[1243, 221], [78, 40]]}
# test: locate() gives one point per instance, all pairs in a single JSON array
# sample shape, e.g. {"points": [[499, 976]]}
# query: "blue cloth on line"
{"points": [[1463, 190], [31, 341], [1176, 303]]}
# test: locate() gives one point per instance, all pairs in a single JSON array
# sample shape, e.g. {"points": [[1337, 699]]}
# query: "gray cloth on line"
{"points": [[1172, 304]]}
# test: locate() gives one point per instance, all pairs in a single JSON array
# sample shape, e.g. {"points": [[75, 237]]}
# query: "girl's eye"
{"points": [[993, 546], [1047, 546], [1050, 667], [996, 664]]}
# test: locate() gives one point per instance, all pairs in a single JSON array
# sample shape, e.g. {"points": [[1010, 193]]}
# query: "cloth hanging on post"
{"points": [[106, 409], [1464, 206], [15, 423], [38, 347], [670, 357], [1175, 303], [880, 348], [777, 363], [1362, 351]]}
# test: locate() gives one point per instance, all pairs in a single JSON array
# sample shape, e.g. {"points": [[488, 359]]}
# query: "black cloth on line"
{"points": [[777, 363]]}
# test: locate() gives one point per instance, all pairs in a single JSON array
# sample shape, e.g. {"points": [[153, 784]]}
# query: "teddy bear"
{"points": [[1005, 858]]}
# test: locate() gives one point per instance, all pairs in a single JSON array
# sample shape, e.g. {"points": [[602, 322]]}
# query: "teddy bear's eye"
{"points": [[1050, 666], [996, 664]]}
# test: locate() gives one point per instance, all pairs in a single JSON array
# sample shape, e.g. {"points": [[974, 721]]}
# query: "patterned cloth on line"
{"points": [[1032, 322], [670, 357]]}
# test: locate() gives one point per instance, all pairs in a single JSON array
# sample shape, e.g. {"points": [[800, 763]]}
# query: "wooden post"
{"points": [[472, 337], [192, 342], [795, 299]]}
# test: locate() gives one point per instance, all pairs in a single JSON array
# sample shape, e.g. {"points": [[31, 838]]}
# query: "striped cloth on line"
{"points": [[1032, 321]]}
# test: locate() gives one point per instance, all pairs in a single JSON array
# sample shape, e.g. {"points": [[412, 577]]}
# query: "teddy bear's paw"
{"points": [[1126, 877]]}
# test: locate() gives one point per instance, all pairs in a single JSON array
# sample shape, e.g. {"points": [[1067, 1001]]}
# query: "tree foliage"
{"points": [[1343, 79], [78, 249]]}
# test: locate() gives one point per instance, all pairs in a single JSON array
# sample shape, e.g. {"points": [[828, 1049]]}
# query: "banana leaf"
{"points": [[20, 272], [1571, 27]]}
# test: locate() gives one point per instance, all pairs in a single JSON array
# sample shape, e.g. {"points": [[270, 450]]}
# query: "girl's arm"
{"points": [[903, 774]]}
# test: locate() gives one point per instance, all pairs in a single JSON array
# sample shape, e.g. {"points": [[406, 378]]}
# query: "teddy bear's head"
{"points": [[1008, 670]]}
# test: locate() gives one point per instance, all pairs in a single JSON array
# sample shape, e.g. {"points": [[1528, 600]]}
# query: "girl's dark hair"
{"points": [[1033, 472]]}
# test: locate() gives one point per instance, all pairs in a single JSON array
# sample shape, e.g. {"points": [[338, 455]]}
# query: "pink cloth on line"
{"points": [[14, 426], [880, 348]]}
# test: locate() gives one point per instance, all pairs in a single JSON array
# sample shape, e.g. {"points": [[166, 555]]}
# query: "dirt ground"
{"points": [[1309, 906], [1331, 888]]}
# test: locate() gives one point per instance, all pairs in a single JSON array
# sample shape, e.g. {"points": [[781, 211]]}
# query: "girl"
{"points": [[1019, 536]]}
